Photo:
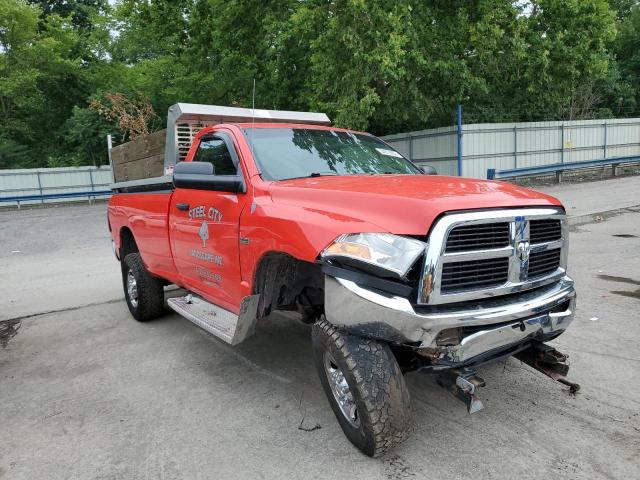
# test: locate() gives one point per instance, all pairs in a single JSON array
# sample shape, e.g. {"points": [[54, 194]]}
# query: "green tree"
{"points": [[41, 79], [370, 64], [12, 154], [627, 50], [81, 12], [622, 8], [86, 136], [360, 54], [148, 30], [20, 96], [233, 43], [568, 41]]}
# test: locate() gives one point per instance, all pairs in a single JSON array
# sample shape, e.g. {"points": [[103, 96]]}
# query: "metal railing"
{"points": [[559, 168], [44, 185], [90, 195]]}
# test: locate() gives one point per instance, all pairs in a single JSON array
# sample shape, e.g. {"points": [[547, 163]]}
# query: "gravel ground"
{"points": [[87, 392]]}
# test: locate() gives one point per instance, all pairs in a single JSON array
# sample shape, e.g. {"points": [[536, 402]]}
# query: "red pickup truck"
{"points": [[396, 270]]}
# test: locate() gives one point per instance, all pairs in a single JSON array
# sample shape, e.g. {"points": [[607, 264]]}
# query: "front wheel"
{"points": [[365, 387], [144, 292]]}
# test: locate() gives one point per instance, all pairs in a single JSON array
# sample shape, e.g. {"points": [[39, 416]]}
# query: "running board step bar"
{"points": [[222, 323]]}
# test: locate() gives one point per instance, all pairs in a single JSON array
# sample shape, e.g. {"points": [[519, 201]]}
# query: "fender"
{"points": [[299, 232]]}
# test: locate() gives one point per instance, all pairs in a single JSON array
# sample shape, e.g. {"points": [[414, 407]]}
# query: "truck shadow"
{"points": [[280, 356], [269, 384]]}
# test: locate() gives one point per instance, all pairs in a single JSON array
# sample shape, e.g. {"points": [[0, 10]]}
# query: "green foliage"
{"points": [[12, 154], [41, 78], [81, 12], [571, 37], [233, 43], [370, 64], [627, 49], [622, 8], [150, 29], [86, 136], [359, 56]]}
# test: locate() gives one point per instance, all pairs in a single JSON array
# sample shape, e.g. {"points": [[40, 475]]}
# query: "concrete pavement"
{"points": [[585, 201], [56, 258]]}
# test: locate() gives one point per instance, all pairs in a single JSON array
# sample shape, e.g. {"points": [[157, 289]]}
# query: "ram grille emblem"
{"points": [[523, 249]]}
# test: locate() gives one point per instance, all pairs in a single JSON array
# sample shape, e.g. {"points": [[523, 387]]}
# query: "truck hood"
{"points": [[401, 204]]}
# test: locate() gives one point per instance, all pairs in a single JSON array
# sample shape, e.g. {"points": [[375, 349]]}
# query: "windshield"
{"points": [[284, 153]]}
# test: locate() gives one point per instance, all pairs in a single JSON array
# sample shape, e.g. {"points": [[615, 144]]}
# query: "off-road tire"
{"points": [[150, 303], [376, 383]]}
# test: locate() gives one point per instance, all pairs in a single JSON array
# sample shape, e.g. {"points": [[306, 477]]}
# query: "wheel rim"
{"points": [[341, 391], [132, 289]]}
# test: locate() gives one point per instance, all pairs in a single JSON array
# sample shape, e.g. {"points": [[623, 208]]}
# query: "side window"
{"points": [[215, 151]]}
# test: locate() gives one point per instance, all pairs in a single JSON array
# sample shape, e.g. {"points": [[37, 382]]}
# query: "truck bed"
{"points": [[146, 216]]}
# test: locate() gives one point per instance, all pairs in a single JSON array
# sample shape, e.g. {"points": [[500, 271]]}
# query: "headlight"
{"points": [[384, 250]]}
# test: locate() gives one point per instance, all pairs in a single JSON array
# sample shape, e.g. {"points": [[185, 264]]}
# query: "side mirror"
{"points": [[199, 176], [428, 170], [193, 168]]}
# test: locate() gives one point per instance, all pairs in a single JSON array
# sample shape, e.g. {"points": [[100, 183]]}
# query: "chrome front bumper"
{"points": [[498, 323]]}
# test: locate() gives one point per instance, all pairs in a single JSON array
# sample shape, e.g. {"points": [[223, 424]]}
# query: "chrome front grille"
{"points": [[489, 253], [475, 237], [458, 276], [544, 263], [545, 230]]}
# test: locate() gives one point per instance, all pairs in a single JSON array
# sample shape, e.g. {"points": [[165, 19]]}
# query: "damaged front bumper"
{"points": [[484, 329]]}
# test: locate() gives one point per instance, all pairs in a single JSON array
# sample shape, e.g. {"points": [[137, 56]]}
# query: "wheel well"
{"points": [[286, 283], [127, 243]]}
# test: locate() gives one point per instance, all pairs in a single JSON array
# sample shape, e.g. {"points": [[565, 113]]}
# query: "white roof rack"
{"points": [[185, 120]]}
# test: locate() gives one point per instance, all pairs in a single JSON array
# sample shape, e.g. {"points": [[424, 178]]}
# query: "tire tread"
{"points": [[380, 384], [150, 289]]}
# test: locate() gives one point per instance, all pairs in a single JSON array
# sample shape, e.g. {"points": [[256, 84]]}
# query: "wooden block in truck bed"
{"points": [[140, 158]]}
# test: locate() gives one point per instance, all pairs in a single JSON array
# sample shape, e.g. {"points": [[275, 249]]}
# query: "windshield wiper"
{"points": [[322, 174]]}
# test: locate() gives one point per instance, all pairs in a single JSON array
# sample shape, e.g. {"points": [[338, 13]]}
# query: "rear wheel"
{"points": [[144, 292], [365, 387]]}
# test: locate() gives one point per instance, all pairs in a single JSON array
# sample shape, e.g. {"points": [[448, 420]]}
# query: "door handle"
{"points": [[182, 206]]}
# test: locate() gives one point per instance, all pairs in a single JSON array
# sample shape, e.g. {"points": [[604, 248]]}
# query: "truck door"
{"points": [[204, 228]]}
